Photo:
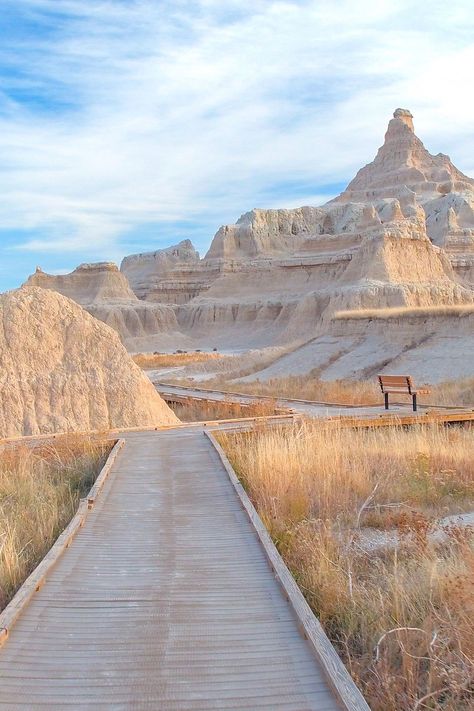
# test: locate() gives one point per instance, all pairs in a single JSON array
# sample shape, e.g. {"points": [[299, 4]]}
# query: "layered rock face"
{"points": [[104, 291], [400, 235], [165, 275], [405, 171], [62, 370], [403, 162], [87, 284]]}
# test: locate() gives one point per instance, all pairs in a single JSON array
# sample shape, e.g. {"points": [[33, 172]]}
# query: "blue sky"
{"points": [[127, 125]]}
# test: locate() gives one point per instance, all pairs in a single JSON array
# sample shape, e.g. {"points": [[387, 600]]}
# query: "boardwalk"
{"points": [[398, 412], [165, 600], [303, 407]]}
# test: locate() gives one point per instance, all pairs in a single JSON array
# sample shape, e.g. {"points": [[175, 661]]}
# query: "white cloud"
{"points": [[190, 110]]}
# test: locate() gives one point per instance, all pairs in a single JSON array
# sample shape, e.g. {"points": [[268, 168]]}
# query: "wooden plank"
{"points": [[100, 481], [37, 578], [38, 439], [349, 695], [394, 378], [165, 600], [393, 381], [166, 388]]}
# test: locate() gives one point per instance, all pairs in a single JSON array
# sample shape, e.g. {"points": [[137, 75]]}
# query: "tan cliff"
{"points": [[106, 294], [63, 370], [400, 235]]}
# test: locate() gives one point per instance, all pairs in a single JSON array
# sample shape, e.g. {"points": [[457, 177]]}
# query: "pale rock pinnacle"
{"points": [[405, 116]]}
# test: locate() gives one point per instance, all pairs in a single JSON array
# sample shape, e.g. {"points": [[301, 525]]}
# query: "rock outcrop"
{"points": [[165, 275], [105, 292], [62, 370], [403, 162], [400, 235], [403, 170], [87, 284]]}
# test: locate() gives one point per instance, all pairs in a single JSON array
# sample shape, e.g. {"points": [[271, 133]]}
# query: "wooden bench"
{"points": [[402, 385]]}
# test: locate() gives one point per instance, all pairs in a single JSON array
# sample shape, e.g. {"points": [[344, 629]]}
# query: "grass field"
{"points": [[406, 312], [453, 392], [199, 411], [365, 392], [306, 388], [401, 618], [40, 490], [150, 361]]}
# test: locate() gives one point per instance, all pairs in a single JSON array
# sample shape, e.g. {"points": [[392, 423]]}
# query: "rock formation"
{"points": [[87, 284], [62, 370], [403, 162], [400, 235], [164, 275], [106, 293]]}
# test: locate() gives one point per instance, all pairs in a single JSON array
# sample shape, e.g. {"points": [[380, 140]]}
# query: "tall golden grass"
{"points": [[453, 392], [400, 618], [406, 312], [149, 361], [306, 387], [40, 489], [344, 392], [200, 410]]}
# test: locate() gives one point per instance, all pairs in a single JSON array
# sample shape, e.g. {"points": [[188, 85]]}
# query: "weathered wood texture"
{"points": [[33, 440], [349, 695], [402, 385], [399, 384], [345, 415], [37, 578], [166, 600]]}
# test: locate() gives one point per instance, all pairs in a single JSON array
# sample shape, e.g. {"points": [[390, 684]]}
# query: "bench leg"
{"points": [[386, 400], [414, 402]]}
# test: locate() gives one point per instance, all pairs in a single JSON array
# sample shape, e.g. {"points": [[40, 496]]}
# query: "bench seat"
{"points": [[400, 385]]}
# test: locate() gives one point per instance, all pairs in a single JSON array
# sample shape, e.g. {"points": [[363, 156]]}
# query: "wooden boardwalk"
{"points": [[351, 415], [165, 601]]}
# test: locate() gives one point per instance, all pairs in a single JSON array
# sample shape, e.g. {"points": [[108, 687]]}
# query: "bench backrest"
{"points": [[395, 382]]}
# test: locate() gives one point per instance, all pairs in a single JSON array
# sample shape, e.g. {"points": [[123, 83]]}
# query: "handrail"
{"points": [[341, 682], [37, 578]]}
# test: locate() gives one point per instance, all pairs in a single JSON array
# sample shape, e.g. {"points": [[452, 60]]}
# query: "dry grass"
{"points": [[452, 393], [401, 619], [40, 490], [149, 361], [199, 411], [406, 312], [229, 367], [345, 392], [307, 388]]}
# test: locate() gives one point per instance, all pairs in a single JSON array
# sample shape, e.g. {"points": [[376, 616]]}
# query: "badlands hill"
{"points": [[62, 370], [400, 236], [106, 294]]}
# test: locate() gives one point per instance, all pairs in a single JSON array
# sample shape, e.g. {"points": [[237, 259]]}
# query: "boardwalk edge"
{"points": [[38, 576], [341, 681], [21, 440]]}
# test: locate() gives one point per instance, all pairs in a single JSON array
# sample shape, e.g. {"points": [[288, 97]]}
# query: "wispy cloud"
{"points": [[120, 115]]}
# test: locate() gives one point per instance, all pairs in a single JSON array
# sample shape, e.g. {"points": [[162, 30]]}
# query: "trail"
{"points": [[164, 600]]}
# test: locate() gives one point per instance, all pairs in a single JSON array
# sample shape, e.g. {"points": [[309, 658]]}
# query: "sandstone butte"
{"points": [[400, 237], [64, 370]]}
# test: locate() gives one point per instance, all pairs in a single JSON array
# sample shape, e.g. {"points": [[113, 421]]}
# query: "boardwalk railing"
{"points": [[339, 678], [37, 578]]}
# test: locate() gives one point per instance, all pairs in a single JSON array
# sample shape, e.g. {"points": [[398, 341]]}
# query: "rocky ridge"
{"points": [[104, 291], [400, 235]]}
